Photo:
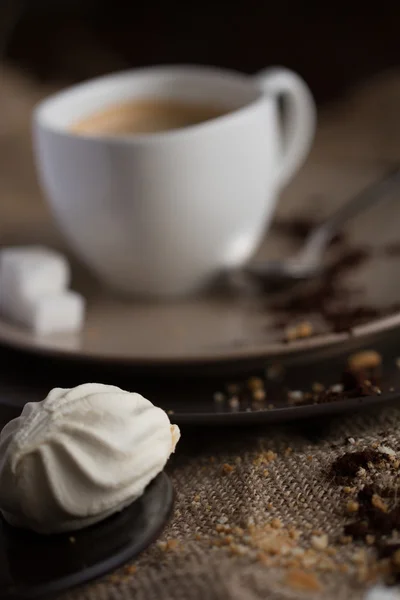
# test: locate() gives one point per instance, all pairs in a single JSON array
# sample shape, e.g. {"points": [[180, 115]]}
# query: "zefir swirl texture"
{"points": [[80, 455]]}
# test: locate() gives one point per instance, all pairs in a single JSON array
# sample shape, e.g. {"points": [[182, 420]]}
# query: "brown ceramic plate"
{"points": [[233, 323], [190, 400]]}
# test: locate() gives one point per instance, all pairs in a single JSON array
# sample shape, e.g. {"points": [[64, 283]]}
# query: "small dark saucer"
{"points": [[38, 566]]}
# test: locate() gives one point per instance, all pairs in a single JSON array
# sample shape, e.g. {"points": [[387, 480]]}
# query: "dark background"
{"points": [[331, 46]]}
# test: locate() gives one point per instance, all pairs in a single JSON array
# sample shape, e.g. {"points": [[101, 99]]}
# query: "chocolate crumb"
{"points": [[329, 298], [349, 464], [357, 530]]}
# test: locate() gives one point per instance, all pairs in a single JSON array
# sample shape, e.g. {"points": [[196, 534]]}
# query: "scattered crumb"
{"points": [[264, 457], [378, 503], [219, 397], [300, 331], [386, 450], [172, 544], [298, 579], [352, 506], [319, 542], [305, 329], [130, 569], [259, 394], [367, 359], [255, 383], [337, 388], [234, 403], [351, 464], [72, 540], [291, 334], [359, 557], [295, 396], [227, 468], [276, 523], [162, 546], [345, 539]]}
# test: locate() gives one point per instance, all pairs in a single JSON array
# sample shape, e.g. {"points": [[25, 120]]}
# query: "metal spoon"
{"points": [[308, 262]]}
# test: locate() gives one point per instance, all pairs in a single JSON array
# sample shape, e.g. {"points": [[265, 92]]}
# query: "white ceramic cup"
{"points": [[161, 214]]}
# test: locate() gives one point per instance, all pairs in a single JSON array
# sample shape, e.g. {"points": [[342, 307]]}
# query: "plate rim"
{"points": [[235, 353], [290, 413], [104, 567]]}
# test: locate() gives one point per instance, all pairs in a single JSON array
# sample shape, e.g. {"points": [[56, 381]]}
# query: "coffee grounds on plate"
{"points": [[329, 296]]}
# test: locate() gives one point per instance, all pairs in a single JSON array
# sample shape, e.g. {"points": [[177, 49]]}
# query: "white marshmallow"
{"points": [[56, 313]]}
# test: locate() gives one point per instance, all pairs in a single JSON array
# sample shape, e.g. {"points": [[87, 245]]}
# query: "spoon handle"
{"points": [[322, 234]]}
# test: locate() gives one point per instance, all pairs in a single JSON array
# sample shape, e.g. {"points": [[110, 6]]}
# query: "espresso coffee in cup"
{"points": [[146, 116], [163, 178]]}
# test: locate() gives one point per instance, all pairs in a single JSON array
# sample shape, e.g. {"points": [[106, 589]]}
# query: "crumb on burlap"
{"points": [[319, 542], [264, 457], [123, 575], [171, 544], [298, 579], [227, 468], [349, 464], [378, 503], [352, 506]]}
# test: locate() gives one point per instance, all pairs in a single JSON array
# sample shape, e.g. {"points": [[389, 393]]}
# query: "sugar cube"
{"points": [[30, 271], [56, 313], [27, 273]]}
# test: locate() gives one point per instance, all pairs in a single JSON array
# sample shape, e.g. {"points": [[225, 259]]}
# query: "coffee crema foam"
{"points": [[146, 116]]}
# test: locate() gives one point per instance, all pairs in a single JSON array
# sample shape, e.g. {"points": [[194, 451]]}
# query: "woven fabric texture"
{"points": [[224, 479]]}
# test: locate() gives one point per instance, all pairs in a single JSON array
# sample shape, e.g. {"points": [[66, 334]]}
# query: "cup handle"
{"points": [[299, 128]]}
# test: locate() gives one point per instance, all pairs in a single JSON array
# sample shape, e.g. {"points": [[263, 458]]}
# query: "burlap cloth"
{"points": [[297, 487], [358, 132]]}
